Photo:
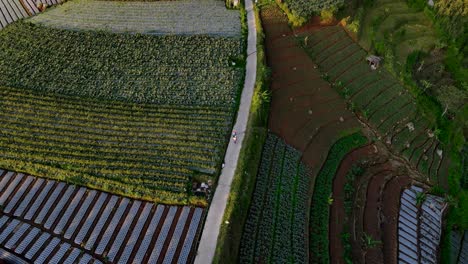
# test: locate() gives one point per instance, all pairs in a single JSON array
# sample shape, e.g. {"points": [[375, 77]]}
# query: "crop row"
{"points": [[141, 155], [184, 70], [321, 198], [274, 231]]}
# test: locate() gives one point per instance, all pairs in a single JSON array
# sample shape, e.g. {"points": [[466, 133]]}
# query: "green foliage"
{"points": [[464, 173], [349, 192], [328, 14], [319, 211], [347, 247], [306, 8], [184, 70], [369, 241], [451, 18], [417, 4], [356, 171], [355, 25], [420, 198], [294, 19]]}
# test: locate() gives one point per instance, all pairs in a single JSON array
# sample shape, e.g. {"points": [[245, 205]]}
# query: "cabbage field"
{"points": [[275, 230], [143, 116], [172, 69]]}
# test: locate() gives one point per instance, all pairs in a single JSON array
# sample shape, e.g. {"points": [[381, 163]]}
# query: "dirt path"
{"points": [[209, 238]]}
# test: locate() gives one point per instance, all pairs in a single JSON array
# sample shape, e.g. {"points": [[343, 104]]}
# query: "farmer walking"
{"points": [[234, 136]]}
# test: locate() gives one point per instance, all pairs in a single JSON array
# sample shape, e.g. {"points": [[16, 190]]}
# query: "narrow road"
{"points": [[207, 246]]}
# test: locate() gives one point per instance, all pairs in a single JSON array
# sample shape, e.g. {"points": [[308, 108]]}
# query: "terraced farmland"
{"points": [[275, 231], [382, 100], [149, 151], [182, 70], [207, 17], [45, 221], [397, 25]]}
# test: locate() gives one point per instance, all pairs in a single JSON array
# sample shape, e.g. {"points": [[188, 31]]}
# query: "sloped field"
{"points": [[305, 110], [206, 17], [400, 28], [138, 115], [51, 222], [382, 100]]}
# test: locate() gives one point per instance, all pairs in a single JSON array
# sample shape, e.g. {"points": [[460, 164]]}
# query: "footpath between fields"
{"points": [[207, 245]]}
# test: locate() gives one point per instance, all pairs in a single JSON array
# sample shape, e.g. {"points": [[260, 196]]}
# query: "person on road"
{"points": [[234, 138]]}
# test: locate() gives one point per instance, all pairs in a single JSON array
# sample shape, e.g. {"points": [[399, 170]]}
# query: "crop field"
{"points": [[172, 69], [305, 113], [382, 100], [206, 17], [44, 221], [150, 151], [277, 221], [142, 116]]}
